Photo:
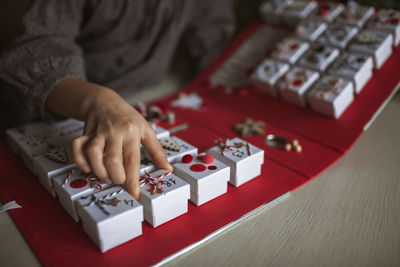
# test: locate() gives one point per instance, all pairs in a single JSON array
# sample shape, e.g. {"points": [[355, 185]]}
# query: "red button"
{"points": [[297, 82], [78, 183], [187, 158], [212, 167], [198, 167]]}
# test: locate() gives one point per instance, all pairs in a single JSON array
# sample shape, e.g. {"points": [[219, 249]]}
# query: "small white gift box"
{"points": [[110, 217], [290, 50], [206, 175], [164, 197], [294, 85], [310, 29], [244, 159], [298, 10], [331, 96], [377, 44], [272, 11], [175, 148], [31, 140], [267, 74], [355, 14], [354, 67], [73, 185], [337, 35], [319, 57], [328, 11], [387, 20]]}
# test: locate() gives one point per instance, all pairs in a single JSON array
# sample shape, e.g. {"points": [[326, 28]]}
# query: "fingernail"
{"points": [[86, 169]]}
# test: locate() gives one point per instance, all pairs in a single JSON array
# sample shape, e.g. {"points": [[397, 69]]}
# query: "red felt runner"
{"points": [[58, 241]]}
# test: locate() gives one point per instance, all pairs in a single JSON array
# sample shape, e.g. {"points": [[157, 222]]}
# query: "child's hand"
{"points": [[114, 130]]}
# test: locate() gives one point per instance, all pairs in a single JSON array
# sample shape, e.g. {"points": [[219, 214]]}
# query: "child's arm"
{"points": [[113, 132]]}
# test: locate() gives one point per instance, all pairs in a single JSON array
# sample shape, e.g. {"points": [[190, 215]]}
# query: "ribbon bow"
{"points": [[155, 183], [224, 146]]}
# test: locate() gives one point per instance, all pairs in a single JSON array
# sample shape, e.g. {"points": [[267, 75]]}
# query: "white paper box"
{"points": [[272, 11], [310, 29], [47, 167], [244, 167], [146, 163], [331, 96], [290, 50], [338, 35], [175, 192], [319, 57], [328, 11], [267, 74], [77, 185], [294, 85], [354, 67], [376, 44], [110, 217], [355, 15], [217, 191], [387, 20], [31, 140], [166, 215], [184, 148], [203, 178], [298, 10], [160, 132]]}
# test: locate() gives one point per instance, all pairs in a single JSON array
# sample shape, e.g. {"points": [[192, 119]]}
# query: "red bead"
{"points": [[208, 159], [187, 158], [297, 82], [294, 46], [212, 167]]}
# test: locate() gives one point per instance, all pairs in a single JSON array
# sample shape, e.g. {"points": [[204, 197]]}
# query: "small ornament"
{"points": [[187, 158], [112, 201], [156, 185], [249, 127], [57, 154], [366, 38], [170, 144], [208, 159]]}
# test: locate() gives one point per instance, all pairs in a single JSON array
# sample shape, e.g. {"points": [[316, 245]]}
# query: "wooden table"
{"points": [[347, 216]]}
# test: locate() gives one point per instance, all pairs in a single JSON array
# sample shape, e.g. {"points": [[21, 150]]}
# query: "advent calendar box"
{"points": [[377, 44], [243, 158], [34, 139], [328, 11], [294, 85], [267, 74], [298, 10], [272, 11], [146, 162], [56, 160], [160, 132], [387, 20], [73, 185], [310, 29], [207, 176], [164, 197], [355, 14], [290, 49], [337, 35], [354, 67], [331, 96], [319, 57], [175, 148], [110, 217]]}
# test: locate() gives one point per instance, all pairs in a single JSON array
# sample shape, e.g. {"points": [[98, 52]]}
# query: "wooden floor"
{"points": [[348, 216]]}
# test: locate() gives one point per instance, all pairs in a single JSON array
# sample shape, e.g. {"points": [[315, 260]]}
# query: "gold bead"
{"points": [[295, 142], [288, 147], [298, 148]]}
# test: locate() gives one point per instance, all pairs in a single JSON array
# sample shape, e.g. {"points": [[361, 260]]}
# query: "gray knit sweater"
{"points": [[122, 44]]}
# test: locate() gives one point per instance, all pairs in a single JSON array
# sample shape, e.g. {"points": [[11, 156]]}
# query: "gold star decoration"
{"points": [[154, 190], [249, 127], [112, 201]]}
